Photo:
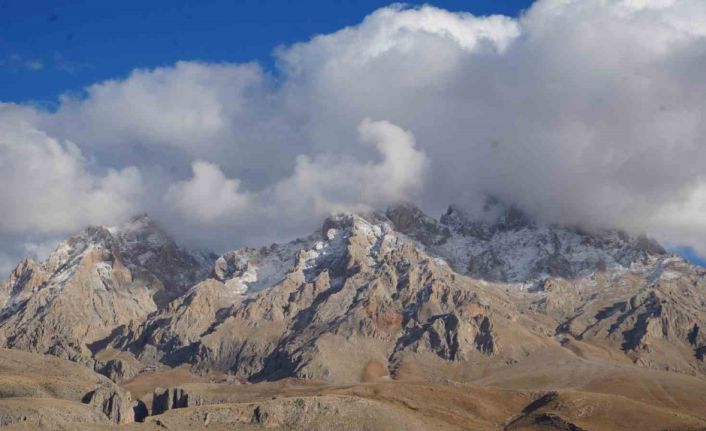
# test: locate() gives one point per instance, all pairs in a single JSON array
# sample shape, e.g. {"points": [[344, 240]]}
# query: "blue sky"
{"points": [[690, 254], [51, 47]]}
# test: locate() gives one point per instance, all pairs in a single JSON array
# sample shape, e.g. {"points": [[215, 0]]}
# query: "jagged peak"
{"points": [[25, 264], [140, 227], [500, 243], [250, 269], [496, 216], [493, 216], [406, 213], [139, 244], [353, 220], [140, 231], [408, 219]]}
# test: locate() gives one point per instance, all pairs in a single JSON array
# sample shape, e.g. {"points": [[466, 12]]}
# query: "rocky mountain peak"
{"points": [[98, 280], [342, 239], [140, 229], [143, 247], [494, 216], [502, 243], [382, 279], [412, 221]]}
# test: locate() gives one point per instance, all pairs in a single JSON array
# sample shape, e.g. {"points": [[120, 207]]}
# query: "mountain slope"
{"points": [[44, 392]]}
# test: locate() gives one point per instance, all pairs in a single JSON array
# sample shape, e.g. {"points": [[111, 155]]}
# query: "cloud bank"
{"points": [[579, 111]]}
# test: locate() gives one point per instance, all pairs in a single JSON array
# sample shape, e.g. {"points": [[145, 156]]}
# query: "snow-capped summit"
{"points": [[505, 244], [254, 269], [502, 244], [143, 247]]}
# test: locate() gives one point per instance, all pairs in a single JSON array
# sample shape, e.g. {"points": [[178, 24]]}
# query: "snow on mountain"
{"points": [[152, 257], [503, 244], [145, 247], [252, 270]]}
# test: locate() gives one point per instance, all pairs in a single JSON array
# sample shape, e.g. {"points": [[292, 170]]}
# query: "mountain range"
{"points": [[385, 319]]}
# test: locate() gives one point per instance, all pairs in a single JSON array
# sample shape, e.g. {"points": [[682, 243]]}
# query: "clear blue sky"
{"points": [[50, 47]]}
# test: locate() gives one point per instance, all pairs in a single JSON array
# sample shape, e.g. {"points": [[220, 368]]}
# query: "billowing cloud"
{"points": [[317, 186], [329, 183], [173, 106], [46, 187], [208, 197], [579, 111], [402, 169]]}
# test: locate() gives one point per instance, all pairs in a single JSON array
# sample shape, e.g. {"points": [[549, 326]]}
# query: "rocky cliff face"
{"points": [[396, 294]]}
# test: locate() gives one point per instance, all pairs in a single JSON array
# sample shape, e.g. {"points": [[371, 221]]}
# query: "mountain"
{"points": [[356, 295], [494, 299], [92, 283], [503, 244], [401, 290]]}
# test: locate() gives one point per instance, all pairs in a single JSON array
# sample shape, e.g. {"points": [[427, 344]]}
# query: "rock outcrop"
{"points": [[168, 399], [39, 384], [114, 403]]}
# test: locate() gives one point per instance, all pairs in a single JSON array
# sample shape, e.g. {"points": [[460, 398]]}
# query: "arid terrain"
{"points": [[376, 321], [41, 392]]}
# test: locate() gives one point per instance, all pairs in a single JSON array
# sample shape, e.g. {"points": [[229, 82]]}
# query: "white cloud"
{"points": [[46, 187], [34, 65], [316, 187], [329, 183], [402, 171], [183, 111], [208, 197], [581, 111]]}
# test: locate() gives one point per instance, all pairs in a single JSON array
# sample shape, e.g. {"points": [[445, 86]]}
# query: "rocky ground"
{"points": [[384, 320], [577, 395]]}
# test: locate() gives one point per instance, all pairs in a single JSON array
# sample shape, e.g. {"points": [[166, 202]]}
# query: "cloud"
{"points": [[46, 187], [402, 169], [329, 183], [7, 263], [17, 63], [317, 186], [34, 65], [587, 112], [183, 106], [208, 197]]}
